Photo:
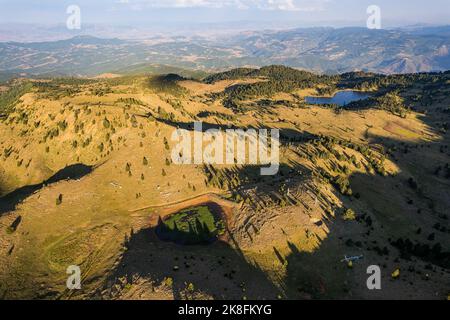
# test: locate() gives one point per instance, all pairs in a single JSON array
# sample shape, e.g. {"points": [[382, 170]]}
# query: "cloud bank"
{"points": [[281, 5]]}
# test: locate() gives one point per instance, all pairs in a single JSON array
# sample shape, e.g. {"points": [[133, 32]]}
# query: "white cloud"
{"points": [[282, 5]]}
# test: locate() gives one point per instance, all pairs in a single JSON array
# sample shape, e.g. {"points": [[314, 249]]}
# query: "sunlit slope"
{"points": [[86, 171]]}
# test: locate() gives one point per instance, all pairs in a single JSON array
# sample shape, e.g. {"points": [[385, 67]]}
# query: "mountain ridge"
{"points": [[320, 50]]}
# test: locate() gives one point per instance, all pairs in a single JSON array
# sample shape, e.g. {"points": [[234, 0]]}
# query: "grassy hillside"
{"points": [[86, 177]]}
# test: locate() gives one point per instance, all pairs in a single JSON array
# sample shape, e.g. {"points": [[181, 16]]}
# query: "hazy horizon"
{"points": [[141, 18], [33, 32], [119, 12]]}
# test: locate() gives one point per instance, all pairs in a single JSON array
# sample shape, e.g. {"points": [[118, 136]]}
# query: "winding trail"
{"points": [[225, 207]]}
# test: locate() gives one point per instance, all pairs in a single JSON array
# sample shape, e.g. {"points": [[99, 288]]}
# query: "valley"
{"points": [[320, 50]]}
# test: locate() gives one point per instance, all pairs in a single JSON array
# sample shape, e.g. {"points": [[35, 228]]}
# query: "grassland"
{"points": [[86, 173]]}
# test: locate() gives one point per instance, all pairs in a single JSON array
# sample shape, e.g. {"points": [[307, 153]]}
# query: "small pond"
{"points": [[341, 98]]}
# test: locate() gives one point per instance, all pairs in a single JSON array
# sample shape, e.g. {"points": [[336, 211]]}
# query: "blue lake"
{"points": [[341, 98]]}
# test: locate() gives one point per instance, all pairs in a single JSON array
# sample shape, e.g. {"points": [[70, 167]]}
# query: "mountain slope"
{"points": [[324, 50], [86, 179]]}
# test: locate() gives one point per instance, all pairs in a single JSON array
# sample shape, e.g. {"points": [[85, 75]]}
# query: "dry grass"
{"points": [[98, 211]]}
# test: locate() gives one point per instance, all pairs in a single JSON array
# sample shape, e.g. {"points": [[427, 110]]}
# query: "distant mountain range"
{"points": [[323, 50]]}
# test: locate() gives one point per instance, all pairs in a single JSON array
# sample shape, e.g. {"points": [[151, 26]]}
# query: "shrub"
{"points": [[343, 184], [190, 287], [106, 123], [349, 215], [59, 200], [168, 281], [166, 144]]}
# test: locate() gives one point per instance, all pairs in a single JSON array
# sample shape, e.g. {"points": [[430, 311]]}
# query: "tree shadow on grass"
{"points": [[217, 270], [10, 201], [319, 274], [287, 135]]}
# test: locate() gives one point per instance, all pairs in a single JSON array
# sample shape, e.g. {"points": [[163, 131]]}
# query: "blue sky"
{"points": [[303, 12]]}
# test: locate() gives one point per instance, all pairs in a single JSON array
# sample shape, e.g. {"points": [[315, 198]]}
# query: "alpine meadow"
{"points": [[225, 150]]}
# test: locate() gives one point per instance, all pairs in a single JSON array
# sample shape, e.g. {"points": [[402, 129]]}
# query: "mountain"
{"points": [[350, 49], [323, 50]]}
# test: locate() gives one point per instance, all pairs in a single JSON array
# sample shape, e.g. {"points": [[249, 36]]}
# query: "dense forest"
{"points": [[388, 90]]}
